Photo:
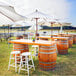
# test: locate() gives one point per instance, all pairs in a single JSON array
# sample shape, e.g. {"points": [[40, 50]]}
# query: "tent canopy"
{"points": [[20, 24], [8, 14]]}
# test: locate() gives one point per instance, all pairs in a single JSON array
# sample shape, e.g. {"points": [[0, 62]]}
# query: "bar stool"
{"points": [[35, 50], [56, 45], [25, 62], [14, 58]]}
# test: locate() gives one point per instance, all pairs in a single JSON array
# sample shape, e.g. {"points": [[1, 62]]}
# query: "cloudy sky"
{"points": [[63, 9]]}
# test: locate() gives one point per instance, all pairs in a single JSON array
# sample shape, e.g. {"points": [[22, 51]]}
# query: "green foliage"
{"points": [[33, 38]]}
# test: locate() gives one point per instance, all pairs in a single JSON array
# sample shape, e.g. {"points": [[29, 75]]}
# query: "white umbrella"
{"points": [[64, 24], [60, 23], [37, 15]]}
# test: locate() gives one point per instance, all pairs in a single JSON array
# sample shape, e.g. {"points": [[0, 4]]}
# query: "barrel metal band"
{"points": [[48, 66], [48, 46], [20, 49], [47, 49], [47, 62], [47, 52], [63, 50], [62, 43]]}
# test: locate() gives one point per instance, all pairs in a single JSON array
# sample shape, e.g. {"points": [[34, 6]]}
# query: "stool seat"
{"points": [[15, 52], [26, 54]]}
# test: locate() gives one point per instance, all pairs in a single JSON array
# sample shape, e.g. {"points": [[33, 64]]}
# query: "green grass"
{"points": [[66, 64]]}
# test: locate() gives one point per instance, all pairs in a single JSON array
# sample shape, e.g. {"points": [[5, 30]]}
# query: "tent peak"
{"points": [[36, 10]]}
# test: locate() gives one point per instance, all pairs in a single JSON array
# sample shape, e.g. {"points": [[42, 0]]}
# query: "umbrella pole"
{"points": [[61, 28], [36, 26], [52, 29]]}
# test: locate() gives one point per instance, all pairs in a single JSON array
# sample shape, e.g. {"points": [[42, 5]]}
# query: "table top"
{"points": [[68, 35], [49, 37], [30, 42]]}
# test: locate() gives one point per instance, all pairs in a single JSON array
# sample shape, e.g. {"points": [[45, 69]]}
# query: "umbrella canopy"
{"points": [[37, 15], [63, 24], [8, 14]]}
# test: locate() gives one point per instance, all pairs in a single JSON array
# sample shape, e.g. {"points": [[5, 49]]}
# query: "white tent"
{"points": [[8, 14], [20, 24], [33, 27]]}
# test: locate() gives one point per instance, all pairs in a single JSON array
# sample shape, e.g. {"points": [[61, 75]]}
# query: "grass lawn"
{"points": [[66, 64]]}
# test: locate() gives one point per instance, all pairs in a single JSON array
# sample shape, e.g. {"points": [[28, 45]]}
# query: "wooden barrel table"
{"points": [[25, 36], [20, 47], [70, 38], [62, 46], [70, 42], [62, 43], [19, 37], [47, 57], [74, 39], [43, 39]]}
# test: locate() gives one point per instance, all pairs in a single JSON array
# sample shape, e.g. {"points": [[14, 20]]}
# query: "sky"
{"points": [[72, 13], [62, 9]]}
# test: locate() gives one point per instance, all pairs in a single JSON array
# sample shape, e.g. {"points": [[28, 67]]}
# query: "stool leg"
{"points": [[9, 62], [32, 62], [20, 64], [15, 63], [27, 65], [36, 51]]}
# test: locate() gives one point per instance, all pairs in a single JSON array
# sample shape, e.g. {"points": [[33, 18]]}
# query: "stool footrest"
{"points": [[24, 69]]}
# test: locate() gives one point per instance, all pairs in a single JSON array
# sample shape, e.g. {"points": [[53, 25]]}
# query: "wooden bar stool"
{"points": [[14, 58], [25, 62]]}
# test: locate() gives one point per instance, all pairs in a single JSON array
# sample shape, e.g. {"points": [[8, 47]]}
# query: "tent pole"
{"points": [[24, 30], [8, 30], [4, 28], [61, 28]]}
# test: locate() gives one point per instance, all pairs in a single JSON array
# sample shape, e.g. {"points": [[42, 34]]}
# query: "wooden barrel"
{"points": [[74, 39], [20, 47], [25, 36], [55, 35], [47, 57], [43, 38], [62, 46], [19, 37], [70, 42], [70, 39]]}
